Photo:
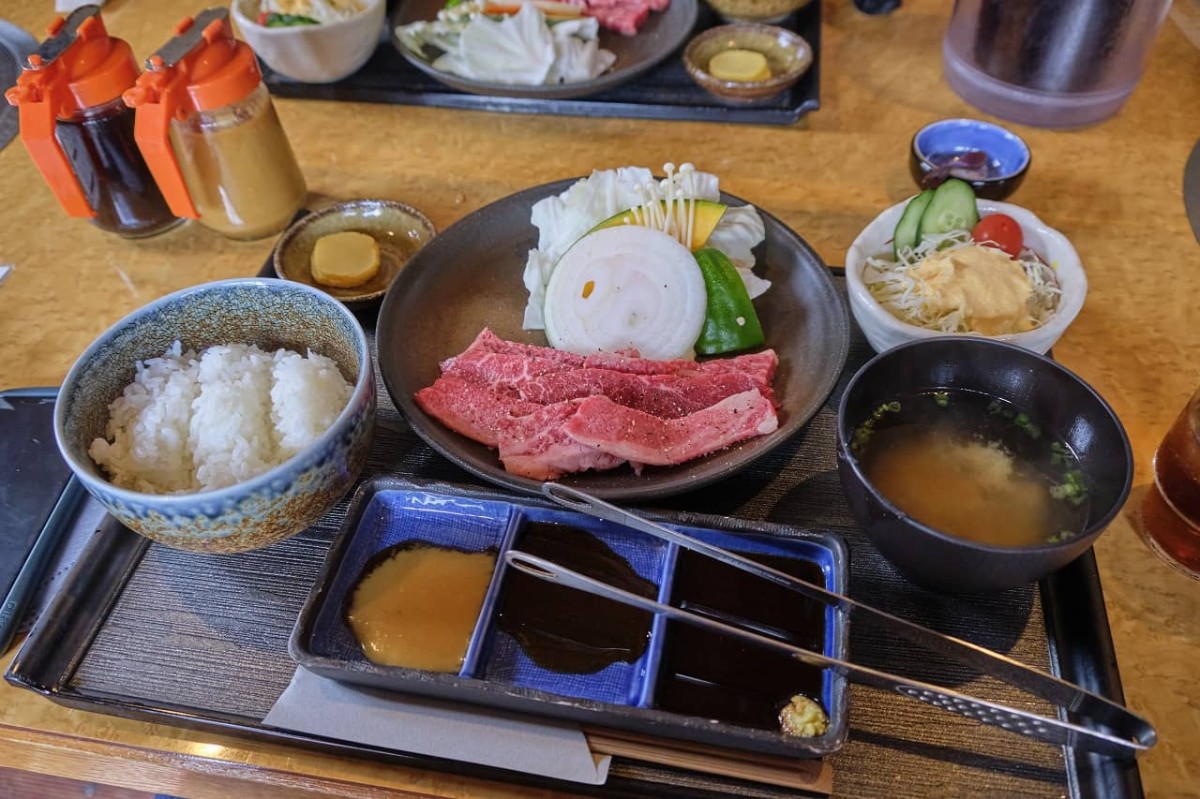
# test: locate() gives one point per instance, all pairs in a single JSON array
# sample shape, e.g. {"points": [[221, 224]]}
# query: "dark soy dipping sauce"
{"points": [[114, 176], [564, 629], [714, 676]]}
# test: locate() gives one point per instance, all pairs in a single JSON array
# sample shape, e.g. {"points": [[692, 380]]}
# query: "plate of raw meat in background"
{"points": [[470, 278], [659, 36]]}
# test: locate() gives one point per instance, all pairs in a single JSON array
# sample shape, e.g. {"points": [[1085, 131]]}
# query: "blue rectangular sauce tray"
{"points": [[638, 696]]}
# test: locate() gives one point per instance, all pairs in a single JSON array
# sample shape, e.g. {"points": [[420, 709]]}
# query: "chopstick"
{"points": [[1130, 733]]}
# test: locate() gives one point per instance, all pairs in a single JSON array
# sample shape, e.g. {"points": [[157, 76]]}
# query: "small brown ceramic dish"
{"points": [[399, 229], [764, 11], [787, 54]]}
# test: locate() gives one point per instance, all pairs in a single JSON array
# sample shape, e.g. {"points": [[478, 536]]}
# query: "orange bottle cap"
{"points": [[78, 67], [201, 69]]}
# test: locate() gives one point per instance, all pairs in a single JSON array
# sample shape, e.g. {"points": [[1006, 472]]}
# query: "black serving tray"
{"points": [[665, 92], [147, 632], [496, 672]]}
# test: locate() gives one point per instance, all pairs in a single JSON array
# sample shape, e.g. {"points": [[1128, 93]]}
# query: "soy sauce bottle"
{"points": [[79, 131]]}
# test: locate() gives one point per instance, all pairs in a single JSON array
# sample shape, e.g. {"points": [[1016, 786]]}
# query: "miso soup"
{"points": [[973, 466]]}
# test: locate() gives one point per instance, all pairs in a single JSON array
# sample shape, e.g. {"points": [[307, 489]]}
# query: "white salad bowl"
{"points": [[313, 53], [884, 331]]}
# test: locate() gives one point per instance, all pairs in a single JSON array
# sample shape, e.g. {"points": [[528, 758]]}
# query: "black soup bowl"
{"points": [[1058, 401]]}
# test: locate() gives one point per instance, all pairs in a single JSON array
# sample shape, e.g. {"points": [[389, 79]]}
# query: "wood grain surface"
{"points": [[1113, 189]]}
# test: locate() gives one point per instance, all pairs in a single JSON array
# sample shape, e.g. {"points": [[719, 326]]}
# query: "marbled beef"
{"points": [[639, 437], [550, 412]]}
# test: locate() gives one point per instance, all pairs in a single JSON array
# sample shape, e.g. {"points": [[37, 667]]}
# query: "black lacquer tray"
{"points": [[151, 633], [664, 92]]}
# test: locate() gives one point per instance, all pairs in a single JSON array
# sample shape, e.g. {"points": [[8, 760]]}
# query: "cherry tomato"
{"points": [[1001, 230]]}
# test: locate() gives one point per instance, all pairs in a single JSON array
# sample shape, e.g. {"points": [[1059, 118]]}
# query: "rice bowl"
{"points": [[256, 510]]}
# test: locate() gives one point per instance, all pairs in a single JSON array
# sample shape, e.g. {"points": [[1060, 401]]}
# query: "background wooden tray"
{"points": [[664, 92]]}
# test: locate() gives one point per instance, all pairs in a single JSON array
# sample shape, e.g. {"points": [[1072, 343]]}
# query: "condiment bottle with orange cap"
{"points": [[79, 131], [208, 130]]}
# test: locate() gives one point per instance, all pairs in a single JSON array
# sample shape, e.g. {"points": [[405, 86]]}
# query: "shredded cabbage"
{"points": [[893, 286]]}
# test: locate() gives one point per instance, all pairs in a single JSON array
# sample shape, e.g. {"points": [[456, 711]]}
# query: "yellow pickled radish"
{"points": [[345, 260], [739, 65]]}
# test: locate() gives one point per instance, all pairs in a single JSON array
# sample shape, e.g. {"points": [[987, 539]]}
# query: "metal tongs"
{"points": [[1126, 733]]}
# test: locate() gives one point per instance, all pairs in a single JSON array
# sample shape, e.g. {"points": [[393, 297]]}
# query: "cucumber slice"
{"points": [[907, 229], [952, 208]]}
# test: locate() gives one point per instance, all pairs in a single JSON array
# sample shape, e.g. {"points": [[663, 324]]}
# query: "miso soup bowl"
{"points": [[1057, 400], [264, 509]]}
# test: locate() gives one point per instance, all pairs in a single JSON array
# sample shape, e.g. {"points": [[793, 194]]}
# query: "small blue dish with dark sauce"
{"points": [[991, 158]]}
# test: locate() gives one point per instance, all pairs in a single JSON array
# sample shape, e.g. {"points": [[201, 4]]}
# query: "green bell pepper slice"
{"points": [[730, 322]]}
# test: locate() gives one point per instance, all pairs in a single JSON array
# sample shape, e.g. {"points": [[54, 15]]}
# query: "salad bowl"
{"points": [[884, 331], [321, 53], [662, 34], [470, 277]]}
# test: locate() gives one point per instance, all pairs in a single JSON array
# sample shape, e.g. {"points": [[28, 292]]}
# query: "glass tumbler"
{"points": [[1169, 516]]}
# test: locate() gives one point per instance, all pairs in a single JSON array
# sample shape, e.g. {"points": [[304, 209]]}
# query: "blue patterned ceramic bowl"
{"points": [[277, 503]]}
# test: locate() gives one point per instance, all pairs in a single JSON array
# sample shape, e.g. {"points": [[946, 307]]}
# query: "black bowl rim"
{"points": [[921, 157], [1092, 530]]}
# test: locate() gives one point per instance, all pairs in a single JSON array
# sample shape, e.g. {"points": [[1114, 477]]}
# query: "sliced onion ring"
{"points": [[626, 287]]}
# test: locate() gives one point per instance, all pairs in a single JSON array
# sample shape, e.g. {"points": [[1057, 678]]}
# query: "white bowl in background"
{"points": [[313, 53], [884, 331]]}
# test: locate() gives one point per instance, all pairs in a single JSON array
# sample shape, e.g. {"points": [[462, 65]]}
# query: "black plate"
{"points": [[470, 277], [662, 34]]}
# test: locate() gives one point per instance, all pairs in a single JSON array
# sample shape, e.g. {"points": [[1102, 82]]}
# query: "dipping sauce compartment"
{"points": [[394, 520], [567, 642], [709, 675], [537, 649]]}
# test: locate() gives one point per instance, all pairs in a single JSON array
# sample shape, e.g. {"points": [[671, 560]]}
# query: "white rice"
{"points": [[193, 422]]}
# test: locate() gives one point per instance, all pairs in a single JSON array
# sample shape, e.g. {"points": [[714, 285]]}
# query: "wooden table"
{"points": [[1114, 190]]}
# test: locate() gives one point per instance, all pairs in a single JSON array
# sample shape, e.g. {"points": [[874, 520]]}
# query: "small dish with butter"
{"points": [[747, 63], [352, 250]]}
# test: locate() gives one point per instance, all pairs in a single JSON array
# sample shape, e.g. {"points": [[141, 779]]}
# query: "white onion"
{"points": [[626, 287]]}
